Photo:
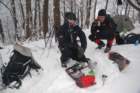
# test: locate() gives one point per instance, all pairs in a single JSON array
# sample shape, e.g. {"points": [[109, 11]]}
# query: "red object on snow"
{"points": [[86, 81]]}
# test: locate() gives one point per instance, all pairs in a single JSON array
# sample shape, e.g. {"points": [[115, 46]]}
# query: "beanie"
{"points": [[102, 12], [70, 15]]}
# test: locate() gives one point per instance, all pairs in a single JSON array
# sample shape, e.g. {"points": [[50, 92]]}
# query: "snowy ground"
{"points": [[53, 78]]}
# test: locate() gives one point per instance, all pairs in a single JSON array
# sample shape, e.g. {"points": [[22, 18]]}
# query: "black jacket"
{"points": [[67, 37], [108, 26]]}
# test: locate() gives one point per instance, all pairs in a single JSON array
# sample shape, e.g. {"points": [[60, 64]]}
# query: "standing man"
{"points": [[67, 38], [103, 28]]}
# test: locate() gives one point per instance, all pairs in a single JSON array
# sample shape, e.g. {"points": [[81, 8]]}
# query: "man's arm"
{"points": [[94, 27], [93, 30], [83, 39]]}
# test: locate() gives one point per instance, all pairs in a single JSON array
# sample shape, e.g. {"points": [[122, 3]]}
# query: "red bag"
{"points": [[86, 81]]}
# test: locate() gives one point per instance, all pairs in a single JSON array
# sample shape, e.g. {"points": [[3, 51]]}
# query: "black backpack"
{"points": [[131, 38], [18, 67]]}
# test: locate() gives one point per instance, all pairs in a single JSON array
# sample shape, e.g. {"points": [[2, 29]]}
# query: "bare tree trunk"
{"points": [[75, 6], [129, 9], [88, 13], [117, 10], [22, 12], [133, 5], [133, 16], [95, 5], [64, 6], [45, 17], [78, 16], [139, 17], [9, 39], [14, 17], [39, 17], [81, 12], [1, 31], [126, 8], [35, 18], [71, 3], [106, 4], [56, 15], [28, 19]]}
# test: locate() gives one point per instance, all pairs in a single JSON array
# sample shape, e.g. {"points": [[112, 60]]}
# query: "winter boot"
{"points": [[107, 49], [101, 45]]}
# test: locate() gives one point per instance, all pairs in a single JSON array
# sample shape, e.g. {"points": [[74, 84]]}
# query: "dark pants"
{"points": [[73, 53], [104, 35]]}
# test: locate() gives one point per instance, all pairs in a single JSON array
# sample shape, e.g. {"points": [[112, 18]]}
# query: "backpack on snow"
{"points": [[131, 38], [18, 68]]}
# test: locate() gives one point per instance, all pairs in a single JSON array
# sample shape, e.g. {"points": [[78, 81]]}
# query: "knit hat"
{"points": [[102, 12], [70, 15]]}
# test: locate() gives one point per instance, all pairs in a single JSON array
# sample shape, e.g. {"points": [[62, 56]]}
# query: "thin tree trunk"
{"points": [[28, 19], [56, 15], [88, 13], [1, 31], [126, 8], [117, 10], [95, 5], [14, 17], [64, 6], [106, 4], [23, 15], [71, 3], [139, 17], [78, 16], [133, 16], [45, 17], [75, 7], [35, 16], [81, 12], [39, 17], [133, 5]]}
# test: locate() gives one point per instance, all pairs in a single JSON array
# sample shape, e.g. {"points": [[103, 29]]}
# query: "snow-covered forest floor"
{"points": [[53, 78]]}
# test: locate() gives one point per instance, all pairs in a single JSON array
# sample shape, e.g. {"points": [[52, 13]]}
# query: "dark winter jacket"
{"points": [[108, 26], [67, 37]]}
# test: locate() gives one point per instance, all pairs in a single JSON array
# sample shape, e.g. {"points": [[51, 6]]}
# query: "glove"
{"points": [[91, 37]]}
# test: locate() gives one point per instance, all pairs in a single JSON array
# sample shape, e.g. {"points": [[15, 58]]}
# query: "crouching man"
{"points": [[67, 38], [103, 28]]}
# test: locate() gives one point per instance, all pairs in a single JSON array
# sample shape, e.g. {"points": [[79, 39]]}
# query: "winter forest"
{"points": [[69, 46], [29, 20]]}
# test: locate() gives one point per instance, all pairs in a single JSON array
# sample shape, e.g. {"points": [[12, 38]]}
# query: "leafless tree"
{"points": [[89, 2], [13, 9], [56, 15], [81, 12], [106, 4], [95, 5], [1, 31], [22, 14], [45, 17], [28, 19]]}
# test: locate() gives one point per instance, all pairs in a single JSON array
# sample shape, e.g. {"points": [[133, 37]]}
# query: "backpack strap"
{"points": [[130, 35]]}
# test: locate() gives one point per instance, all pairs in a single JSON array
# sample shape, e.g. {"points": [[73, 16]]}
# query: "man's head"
{"points": [[71, 18], [102, 15]]}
